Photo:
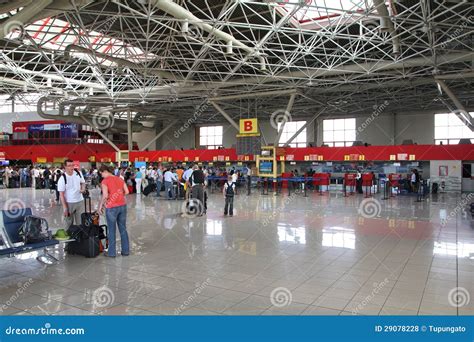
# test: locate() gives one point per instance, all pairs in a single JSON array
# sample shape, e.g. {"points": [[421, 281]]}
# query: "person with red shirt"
{"points": [[114, 190]]}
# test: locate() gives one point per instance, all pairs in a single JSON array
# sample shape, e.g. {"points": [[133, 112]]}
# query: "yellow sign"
{"points": [[393, 157], [41, 159], [320, 158], [411, 157], [347, 157], [246, 158], [196, 158], [227, 164], [362, 157], [59, 160], [239, 163], [186, 159], [282, 158], [306, 158], [211, 164], [227, 158], [248, 126]]}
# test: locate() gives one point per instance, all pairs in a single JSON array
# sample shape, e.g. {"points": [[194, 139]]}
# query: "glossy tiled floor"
{"points": [[278, 255]]}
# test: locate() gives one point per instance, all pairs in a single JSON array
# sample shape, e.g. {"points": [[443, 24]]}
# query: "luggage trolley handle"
{"points": [[87, 202]]}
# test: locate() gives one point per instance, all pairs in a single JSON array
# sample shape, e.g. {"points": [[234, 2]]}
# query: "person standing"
{"points": [[71, 186], [228, 192], [169, 177], [186, 176], [197, 186], [114, 190], [46, 175], [138, 181], [249, 178], [159, 180]]}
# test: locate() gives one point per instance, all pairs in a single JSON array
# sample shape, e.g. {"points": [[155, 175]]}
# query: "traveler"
{"points": [[229, 191], [138, 181], [114, 190], [71, 186], [159, 180], [169, 177], [359, 182], [186, 176], [197, 186], [57, 175], [46, 175]]}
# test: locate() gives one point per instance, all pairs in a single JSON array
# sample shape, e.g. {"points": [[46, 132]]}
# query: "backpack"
{"points": [[197, 177], [230, 190], [65, 178], [35, 229]]}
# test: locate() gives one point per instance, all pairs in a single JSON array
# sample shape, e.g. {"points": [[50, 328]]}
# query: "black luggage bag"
{"points": [[87, 240], [149, 189]]}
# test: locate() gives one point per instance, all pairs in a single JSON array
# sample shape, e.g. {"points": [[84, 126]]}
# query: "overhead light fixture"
{"points": [[229, 50], [91, 91], [49, 83], [263, 65], [185, 26]]}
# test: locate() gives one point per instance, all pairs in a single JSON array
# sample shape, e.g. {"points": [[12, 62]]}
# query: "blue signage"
{"points": [[69, 130], [35, 128]]}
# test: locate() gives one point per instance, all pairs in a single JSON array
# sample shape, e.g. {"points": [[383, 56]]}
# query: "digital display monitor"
{"points": [[265, 166], [267, 153]]}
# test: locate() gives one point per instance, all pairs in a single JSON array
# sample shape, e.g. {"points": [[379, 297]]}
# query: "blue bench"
{"points": [[10, 223]]}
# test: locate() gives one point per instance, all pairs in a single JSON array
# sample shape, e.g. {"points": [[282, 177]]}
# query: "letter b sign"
{"points": [[248, 126]]}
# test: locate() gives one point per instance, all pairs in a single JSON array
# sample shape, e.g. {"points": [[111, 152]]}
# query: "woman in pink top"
{"points": [[114, 190]]}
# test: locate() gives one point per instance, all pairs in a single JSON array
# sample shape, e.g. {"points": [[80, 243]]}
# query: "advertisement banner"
{"points": [[52, 127], [69, 130], [35, 128]]}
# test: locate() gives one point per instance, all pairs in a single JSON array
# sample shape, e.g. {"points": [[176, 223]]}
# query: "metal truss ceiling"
{"points": [[145, 56]]}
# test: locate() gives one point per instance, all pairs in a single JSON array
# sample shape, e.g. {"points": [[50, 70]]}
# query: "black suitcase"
{"points": [[149, 189], [87, 241], [434, 188]]}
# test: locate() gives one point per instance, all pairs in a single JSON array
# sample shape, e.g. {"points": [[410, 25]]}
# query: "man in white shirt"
{"points": [[186, 176], [169, 177], [71, 186]]}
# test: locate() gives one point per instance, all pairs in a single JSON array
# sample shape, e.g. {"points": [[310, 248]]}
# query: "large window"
{"points": [[210, 137], [289, 130], [449, 129], [339, 132]]}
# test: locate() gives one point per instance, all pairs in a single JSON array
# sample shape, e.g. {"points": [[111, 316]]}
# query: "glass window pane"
{"points": [[339, 124], [328, 125], [350, 135], [441, 119], [441, 132], [328, 136], [218, 130], [203, 131], [338, 135], [203, 141], [339, 144], [455, 131], [350, 123]]}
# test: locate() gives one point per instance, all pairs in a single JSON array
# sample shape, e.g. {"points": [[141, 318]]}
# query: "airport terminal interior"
{"points": [[275, 157]]}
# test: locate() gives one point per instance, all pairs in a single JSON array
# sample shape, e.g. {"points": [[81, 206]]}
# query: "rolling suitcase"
{"points": [[87, 242], [149, 189]]}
